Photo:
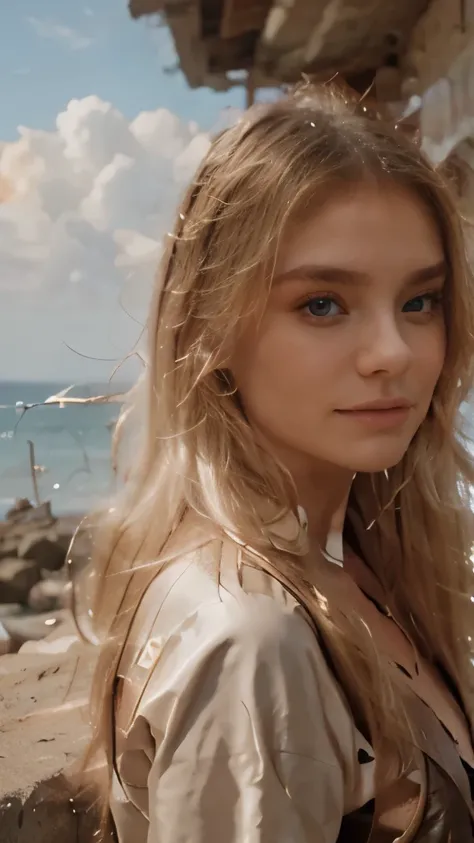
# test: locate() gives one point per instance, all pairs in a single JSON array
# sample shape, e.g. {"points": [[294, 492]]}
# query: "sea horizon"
{"points": [[72, 444]]}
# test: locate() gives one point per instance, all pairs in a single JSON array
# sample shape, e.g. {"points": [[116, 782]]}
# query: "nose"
{"points": [[383, 349]]}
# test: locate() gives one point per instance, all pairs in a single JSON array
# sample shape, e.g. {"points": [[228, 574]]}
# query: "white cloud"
{"points": [[83, 210], [58, 32]]}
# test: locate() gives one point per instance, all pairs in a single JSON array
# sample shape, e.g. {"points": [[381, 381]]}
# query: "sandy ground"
{"points": [[43, 731], [44, 689], [43, 725]]}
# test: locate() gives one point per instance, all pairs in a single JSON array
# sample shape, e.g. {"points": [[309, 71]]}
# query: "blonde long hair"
{"points": [[195, 449]]}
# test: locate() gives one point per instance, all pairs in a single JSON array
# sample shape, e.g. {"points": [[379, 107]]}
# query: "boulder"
{"points": [[46, 595], [19, 508], [8, 547], [65, 528], [43, 549], [11, 532], [6, 644], [35, 627], [17, 577], [25, 513], [48, 646], [10, 610], [52, 813]]}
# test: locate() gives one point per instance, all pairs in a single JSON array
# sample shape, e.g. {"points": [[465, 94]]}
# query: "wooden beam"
{"points": [[250, 89], [139, 8], [240, 16]]}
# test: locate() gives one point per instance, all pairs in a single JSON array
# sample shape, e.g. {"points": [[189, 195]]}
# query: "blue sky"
{"points": [[52, 51]]}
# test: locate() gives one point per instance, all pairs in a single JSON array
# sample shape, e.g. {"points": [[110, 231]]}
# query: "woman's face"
{"points": [[342, 367]]}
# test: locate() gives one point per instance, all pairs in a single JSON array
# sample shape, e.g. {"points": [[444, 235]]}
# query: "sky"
{"points": [[97, 143]]}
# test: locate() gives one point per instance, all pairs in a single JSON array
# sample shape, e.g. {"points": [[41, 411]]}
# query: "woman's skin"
{"points": [[355, 315]]}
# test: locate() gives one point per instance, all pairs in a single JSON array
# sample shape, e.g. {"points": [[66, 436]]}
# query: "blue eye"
{"points": [[323, 306], [422, 304]]}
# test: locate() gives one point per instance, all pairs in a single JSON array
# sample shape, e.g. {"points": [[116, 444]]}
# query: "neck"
{"points": [[323, 494], [322, 491]]}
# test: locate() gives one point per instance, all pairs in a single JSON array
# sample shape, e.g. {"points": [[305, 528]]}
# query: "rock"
{"points": [[42, 549], [46, 595], [15, 533], [20, 506], [8, 548], [35, 627], [17, 577], [64, 536], [60, 576], [6, 644], [63, 644], [53, 813], [10, 610], [66, 601], [81, 548], [63, 637], [23, 512]]}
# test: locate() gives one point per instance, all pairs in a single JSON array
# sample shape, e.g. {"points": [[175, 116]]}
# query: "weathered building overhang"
{"points": [[273, 42], [419, 54]]}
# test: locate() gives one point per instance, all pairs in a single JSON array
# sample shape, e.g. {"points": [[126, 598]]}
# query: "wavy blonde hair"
{"points": [[195, 449]]}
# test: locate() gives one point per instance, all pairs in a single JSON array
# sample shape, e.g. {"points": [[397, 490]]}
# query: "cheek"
{"points": [[431, 356], [278, 372]]}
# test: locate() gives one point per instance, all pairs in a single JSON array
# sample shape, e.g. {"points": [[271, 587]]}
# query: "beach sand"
{"points": [[43, 731], [44, 690]]}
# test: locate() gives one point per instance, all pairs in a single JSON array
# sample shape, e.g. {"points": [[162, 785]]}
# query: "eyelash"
{"points": [[435, 297]]}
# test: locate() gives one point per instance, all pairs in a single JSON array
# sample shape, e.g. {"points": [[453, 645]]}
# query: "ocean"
{"points": [[71, 445]]}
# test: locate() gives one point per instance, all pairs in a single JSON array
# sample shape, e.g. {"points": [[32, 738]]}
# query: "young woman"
{"points": [[283, 589]]}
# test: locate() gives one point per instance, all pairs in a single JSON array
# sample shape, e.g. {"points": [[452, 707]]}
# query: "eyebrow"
{"points": [[339, 275]]}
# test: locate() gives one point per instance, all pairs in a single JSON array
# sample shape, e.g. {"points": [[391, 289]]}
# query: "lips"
{"points": [[384, 414], [380, 405]]}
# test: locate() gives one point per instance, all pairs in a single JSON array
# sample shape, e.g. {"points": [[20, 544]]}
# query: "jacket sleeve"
{"points": [[246, 724]]}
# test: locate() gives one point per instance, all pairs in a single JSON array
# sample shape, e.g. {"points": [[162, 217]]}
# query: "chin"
{"points": [[375, 459]]}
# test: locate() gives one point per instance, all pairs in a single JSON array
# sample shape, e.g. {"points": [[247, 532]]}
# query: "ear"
{"points": [[226, 378]]}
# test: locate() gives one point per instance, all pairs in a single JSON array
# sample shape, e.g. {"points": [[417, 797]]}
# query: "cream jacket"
{"points": [[231, 726]]}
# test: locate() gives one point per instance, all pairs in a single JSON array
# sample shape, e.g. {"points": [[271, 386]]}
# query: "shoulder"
{"points": [[212, 619], [216, 588], [213, 612], [227, 669], [209, 600], [227, 650]]}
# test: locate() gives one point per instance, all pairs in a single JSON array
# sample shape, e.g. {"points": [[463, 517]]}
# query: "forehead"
{"points": [[367, 229]]}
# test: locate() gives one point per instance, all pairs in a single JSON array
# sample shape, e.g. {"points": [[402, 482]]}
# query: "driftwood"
{"points": [[63, 399], [33, 472]]}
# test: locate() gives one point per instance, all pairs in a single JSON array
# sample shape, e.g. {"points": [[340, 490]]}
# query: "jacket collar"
{"points": [[292, 528]]}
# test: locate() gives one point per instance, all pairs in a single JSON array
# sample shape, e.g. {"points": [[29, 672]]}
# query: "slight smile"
{"points": [[383, 413]]}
